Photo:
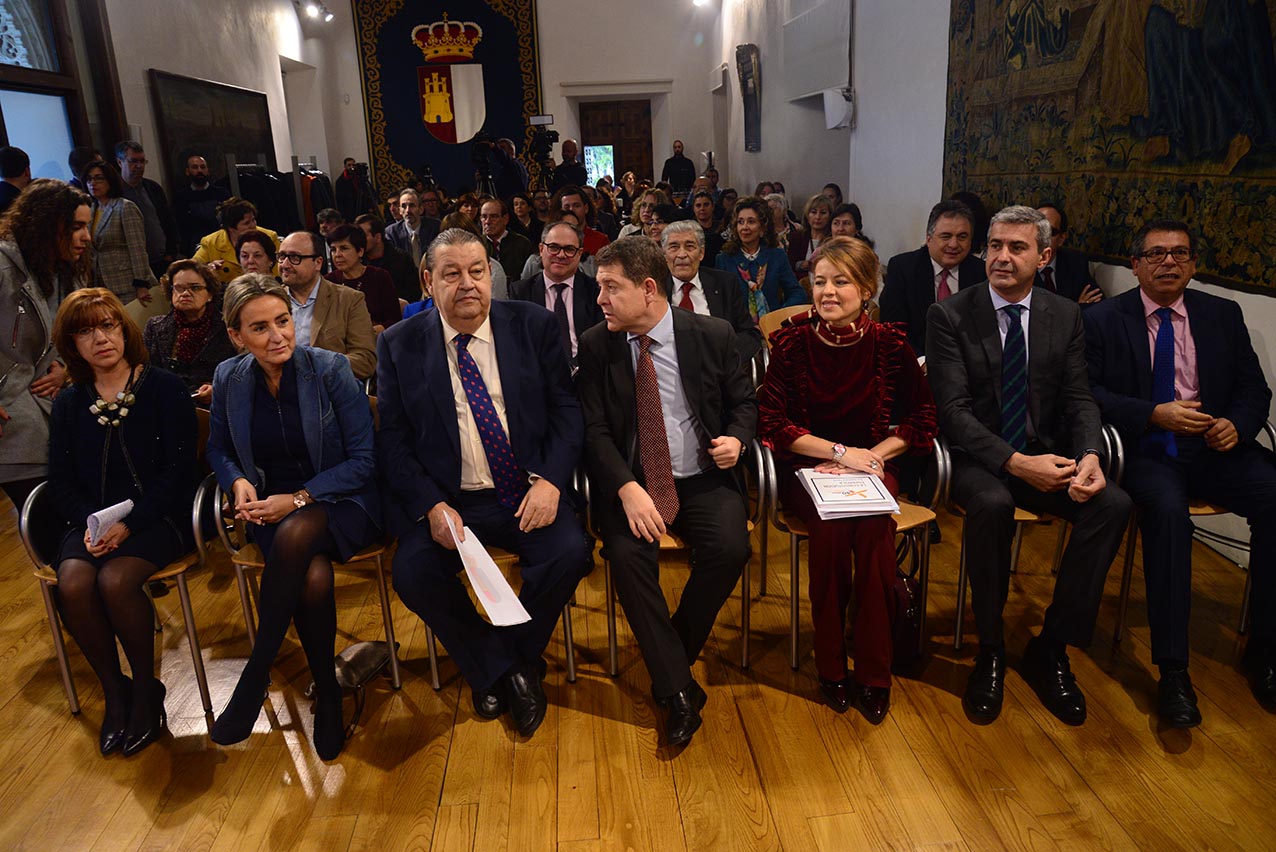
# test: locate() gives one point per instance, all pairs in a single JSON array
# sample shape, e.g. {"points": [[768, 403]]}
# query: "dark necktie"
{"points": [[1047, 275], [685, 302], [1158, 440], [510, 482], [653, 441], [564, 324], [1014, 382]]}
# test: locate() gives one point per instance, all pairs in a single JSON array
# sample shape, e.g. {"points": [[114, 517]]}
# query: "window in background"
{"points": [[26, 35], [38, 124]]}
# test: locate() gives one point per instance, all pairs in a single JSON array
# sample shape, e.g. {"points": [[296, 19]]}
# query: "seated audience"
{"points": [[392, 208], [432, 202], [779, 208], [817, 220], [123, 430], [257, 253], [604, 217], [762, 268], [981, 356], [1068, 272], [220, 248], [833, 193], [646, 205], [705, 290], [326, 315], [382, 255], [704, 211], [572, 199], [585, 261], [562, 287], [190, 340], [523, 218], [306, 509], [1174, 371], [119, 237], [329, 220], [917, 279], [425, 302], [835, 384], [625, 195], [413, 232], [347, 244], [648, 478], [847, 221], [663, 215], [497, 459], [509, 248], [500, 281], [468, 205]]}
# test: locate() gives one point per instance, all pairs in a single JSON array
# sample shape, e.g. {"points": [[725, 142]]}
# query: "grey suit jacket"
{"points": [[119, 249]]}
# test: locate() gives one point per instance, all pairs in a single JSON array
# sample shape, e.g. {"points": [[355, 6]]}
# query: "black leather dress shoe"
{"points": [[1176, 700], [111, 738], [156, 723], [1050, 676], [684, 714], [1260, 666], [526, 699], [836, 693], [986, 687], [873, 702], [488, 703]]}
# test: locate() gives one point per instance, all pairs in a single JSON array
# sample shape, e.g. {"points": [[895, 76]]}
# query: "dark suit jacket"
{"points": [[718, 389], [1071, 274], [910, 290], [515, 250], [419, 441], [1228, 373], [964, 368], [725, 296], [396, 234], [585, 310]]}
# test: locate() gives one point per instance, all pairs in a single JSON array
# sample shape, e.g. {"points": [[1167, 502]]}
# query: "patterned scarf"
{"points": [[192, 336], [757, 299]]}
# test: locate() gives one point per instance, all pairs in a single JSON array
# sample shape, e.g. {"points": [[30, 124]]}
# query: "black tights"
{"points": [[296, 587], [100, 604]]}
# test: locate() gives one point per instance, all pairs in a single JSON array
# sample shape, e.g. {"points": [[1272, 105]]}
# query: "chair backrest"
{"points": [[40, 526], [376, 416], [770, 322]]}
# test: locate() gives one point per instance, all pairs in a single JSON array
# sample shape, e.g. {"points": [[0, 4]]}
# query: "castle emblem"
{"points": [[450, 83]]}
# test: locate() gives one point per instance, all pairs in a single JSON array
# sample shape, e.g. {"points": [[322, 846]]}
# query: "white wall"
{"points": [[340, 86]]}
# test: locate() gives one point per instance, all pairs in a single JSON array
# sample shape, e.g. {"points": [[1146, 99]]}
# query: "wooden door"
{"points": [[626, 126]]}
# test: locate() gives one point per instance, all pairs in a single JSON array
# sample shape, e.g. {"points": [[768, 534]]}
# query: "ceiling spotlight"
{"points": [[312, 9], [328, 16]]}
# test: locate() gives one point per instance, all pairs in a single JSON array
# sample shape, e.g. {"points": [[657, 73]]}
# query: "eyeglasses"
{"points": [[182, 290], [96, 179], [1181, 254], [135, 161], [565, 251], [107, 327], [292, 258]]}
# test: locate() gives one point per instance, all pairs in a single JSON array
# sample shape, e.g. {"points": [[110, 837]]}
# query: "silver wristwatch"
{"points": [[839, 450]]}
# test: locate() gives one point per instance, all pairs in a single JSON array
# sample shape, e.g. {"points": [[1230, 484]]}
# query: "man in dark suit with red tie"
{"points": [[561, 287], [917, 279], [706, 291], [480, 425], [669, 409], [1173, 370], [1068, 272]]}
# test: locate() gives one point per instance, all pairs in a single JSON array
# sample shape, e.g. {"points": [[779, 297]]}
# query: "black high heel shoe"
{"points": [[111, 737], [329, 730], [157, 722], [236, 722]]}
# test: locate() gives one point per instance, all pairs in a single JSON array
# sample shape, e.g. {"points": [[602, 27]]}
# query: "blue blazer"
{"points": [[419, 442], [780, 284], [1120, 363], [335, 416]]}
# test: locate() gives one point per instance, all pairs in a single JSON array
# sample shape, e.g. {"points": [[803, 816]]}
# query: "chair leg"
{"points": [[59, 647], [1127, 574], [1243, 627], [794, 583], [246, 603], [961, 590], [387, 616], [764, 537], [1014, 549], [155, 619], [613, 654], [1059, 545], [434, 658], [921, 538], [744, 615], [570, 643], [192, 636]]}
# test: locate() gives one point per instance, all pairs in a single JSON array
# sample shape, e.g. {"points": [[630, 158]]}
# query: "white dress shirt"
{"points": [[698, 301]]}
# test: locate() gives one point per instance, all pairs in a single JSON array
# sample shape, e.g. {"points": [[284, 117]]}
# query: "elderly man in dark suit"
{"points": [[1007, 367], [917, 279], [669, 409], [1068, 272], [1173, 370], [480, 426], [561, 287], [706, 291]]}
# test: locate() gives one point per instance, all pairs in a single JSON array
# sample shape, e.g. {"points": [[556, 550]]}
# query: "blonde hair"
{"points": [[853, 257]]}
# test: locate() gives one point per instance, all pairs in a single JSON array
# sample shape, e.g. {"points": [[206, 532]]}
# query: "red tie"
{"points": [[943, 292], [686, 297], [1048, 275], [653, 441]]}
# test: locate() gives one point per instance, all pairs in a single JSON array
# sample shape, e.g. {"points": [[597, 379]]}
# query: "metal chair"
{"points": [[912, 523], [41, 529], [1195, 509]]}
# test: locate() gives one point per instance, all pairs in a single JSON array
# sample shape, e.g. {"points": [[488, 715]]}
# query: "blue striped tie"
{"points": [[1157, 440], [1014, 382]]}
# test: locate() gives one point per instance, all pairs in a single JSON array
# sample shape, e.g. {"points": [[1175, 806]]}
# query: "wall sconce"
{"points": [[315, 10]]}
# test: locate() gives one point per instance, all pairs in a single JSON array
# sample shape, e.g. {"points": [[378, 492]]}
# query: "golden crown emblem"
{"points": [[447, 41]]}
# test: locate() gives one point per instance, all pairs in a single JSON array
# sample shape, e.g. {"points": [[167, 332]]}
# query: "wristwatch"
{"points": [[1087, 452], [301, 498], [838, 451]]}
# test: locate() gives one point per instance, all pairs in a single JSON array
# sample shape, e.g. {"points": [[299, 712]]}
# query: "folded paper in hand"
{"points": [[842, 495], [491, 588], [102, 520]]}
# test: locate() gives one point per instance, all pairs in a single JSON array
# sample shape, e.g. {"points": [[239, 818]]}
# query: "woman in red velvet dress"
{"points": [[836, 381]]}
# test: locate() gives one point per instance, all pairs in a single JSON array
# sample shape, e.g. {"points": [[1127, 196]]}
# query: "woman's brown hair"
{"points": [[763, 212], [85, 309], [853, 257], [40, 221], [201, 269]]}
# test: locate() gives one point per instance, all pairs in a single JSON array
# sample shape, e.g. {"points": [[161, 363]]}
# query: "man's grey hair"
{"points": [[450, 237], [122, 149], [1019, 214], [406, 190], [686, 226]]}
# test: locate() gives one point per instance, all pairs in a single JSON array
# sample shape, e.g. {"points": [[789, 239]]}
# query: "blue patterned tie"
{"points": [[1158, 440], [510, 482], [1014, 382]]}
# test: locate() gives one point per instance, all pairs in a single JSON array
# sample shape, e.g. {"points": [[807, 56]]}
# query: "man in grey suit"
{"points": [[413, 233], [1008, 370], [705, 291]]}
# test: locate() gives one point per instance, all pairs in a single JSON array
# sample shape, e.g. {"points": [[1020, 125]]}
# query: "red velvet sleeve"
{"points": [[783, 397], [918, 424]]}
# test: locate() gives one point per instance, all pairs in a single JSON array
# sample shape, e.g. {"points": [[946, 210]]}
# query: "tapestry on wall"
{"points": [[1120, 112], [438, 73]]}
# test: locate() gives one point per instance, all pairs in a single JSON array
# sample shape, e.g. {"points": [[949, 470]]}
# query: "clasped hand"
{"points": [[1185, 417], [110, 541], [248, 508], [856, 460]]}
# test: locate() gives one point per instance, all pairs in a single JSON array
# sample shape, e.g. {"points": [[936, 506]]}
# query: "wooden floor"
{"points": [[771, 769]]}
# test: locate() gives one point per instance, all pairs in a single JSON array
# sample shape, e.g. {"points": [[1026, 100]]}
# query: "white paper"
{"points": [[491, 588], [838, 495], [103, 519]]}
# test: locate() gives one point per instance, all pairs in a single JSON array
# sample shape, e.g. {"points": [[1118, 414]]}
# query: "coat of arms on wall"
{"points": [[451, 85]]}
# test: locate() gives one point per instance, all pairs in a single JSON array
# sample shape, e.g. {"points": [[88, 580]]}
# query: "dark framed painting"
{"points": [[194, 116]]}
